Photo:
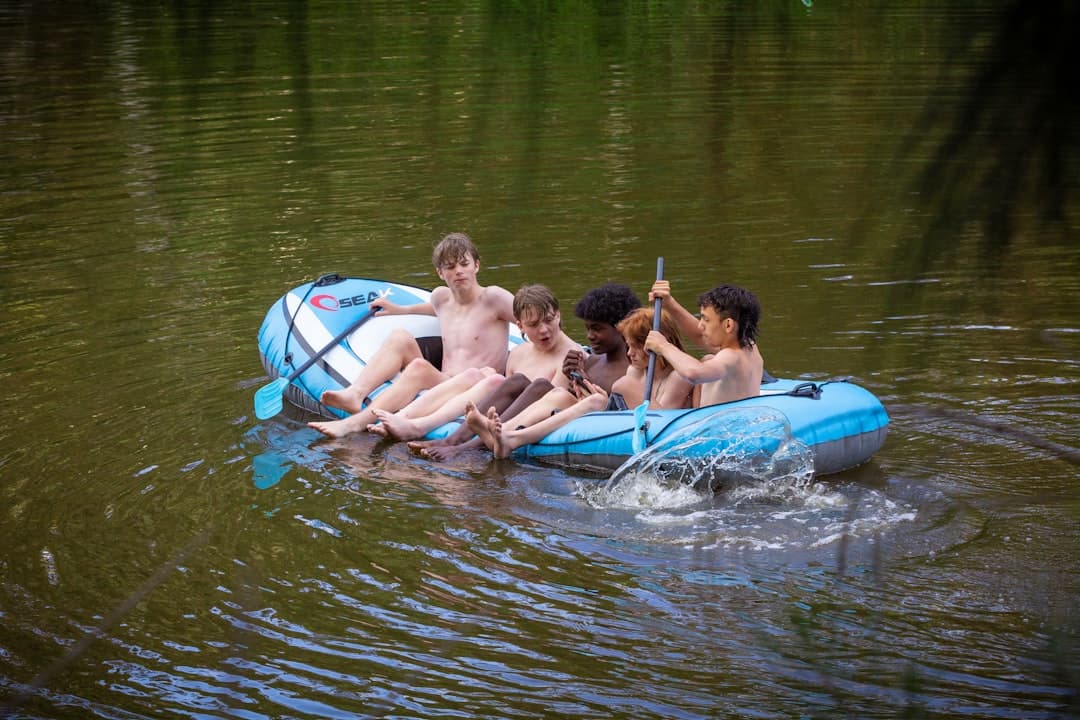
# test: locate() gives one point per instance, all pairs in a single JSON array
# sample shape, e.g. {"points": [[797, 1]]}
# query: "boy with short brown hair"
{"points": [[474, 325]]}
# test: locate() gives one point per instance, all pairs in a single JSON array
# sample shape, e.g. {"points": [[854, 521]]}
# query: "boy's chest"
{"points": [[530, 361]]}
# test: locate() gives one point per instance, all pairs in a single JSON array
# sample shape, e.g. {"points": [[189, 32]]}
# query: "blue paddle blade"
{"points": [[268, 398], [639, 427]]}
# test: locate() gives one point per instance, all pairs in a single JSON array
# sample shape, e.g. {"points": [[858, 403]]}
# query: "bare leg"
{"points": [[536, 389], [502, 399], [419, 375], [557, 399], [446, 391], [525, 393], [400, 427], [504, 442], [397, 351]]}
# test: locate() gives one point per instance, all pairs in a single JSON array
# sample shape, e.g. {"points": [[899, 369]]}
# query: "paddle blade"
{"points": [[639, 427], [268, 398]]}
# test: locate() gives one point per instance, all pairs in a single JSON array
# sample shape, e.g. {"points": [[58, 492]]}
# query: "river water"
{"points": [[171, 169]]}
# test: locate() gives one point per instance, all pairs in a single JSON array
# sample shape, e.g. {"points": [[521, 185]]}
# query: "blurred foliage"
{"points": [[1008, 157]]}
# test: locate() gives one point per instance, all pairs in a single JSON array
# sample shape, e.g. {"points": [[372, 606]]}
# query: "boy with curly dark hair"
{"points": [[728, 326], [601, 309]]}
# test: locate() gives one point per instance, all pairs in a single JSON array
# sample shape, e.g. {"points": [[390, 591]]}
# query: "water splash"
{"points": [[748, 454], [739, 481]]}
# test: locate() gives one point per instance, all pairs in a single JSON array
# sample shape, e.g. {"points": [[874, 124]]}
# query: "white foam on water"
{"points": [[738, 481]]}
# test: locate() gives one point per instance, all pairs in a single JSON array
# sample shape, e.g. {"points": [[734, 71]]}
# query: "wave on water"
{"points": [[738, 480], [744, 452]]}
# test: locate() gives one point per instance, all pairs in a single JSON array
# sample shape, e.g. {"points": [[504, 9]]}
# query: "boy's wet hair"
{"points": [[609, 303], [534, 301], [740, 305], [636, 326], [452, 249]]}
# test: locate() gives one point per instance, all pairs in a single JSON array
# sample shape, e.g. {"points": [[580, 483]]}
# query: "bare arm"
{"points": [[501, 301], [684, 319], [385, 307], [694, 370]]}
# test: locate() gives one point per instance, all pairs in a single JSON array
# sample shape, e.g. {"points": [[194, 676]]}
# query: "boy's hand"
{"points": [[587, 387], [384, 307], [573, 362], [655, 341], [660, 289]]}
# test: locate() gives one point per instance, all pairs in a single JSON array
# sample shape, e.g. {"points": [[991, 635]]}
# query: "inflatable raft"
{"points": [[841, 423]]}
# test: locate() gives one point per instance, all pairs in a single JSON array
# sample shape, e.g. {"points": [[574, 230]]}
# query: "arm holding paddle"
{"points": [[682, 362], [727, 328], [685, 321]]}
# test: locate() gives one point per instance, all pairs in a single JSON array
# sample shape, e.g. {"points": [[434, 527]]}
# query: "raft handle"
{"points": [[806, 390], [328, 279]]}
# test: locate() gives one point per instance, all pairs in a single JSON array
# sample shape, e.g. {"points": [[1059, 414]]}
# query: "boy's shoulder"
{"points": [[566, 344], [592, 359], [495, 290], [499, 299]]}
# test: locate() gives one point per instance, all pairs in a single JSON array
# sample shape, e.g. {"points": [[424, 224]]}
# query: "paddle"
{"points": [[268, 397], [640, 424]]}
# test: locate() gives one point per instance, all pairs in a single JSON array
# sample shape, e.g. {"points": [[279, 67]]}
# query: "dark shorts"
{"points": [[431, 349]]}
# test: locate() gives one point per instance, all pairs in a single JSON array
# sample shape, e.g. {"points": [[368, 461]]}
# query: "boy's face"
{"points": [[459, 273], [603, 338], [541, 329], [715, 329]]}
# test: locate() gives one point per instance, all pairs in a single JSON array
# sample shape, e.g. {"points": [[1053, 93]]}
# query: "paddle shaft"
{"points": [[329, 346], [656, 327]]}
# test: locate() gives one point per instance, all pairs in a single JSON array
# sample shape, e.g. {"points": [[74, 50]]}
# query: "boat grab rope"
{"points": [[809, 390], [321, 281]]}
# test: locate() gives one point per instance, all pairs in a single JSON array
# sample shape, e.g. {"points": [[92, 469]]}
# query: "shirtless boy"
{"points": [[536, 311], [473, 323], [600, 309], [559, 407], [728, 327]]}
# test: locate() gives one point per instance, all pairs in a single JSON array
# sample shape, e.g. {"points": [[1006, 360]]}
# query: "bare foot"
{"points": [[502, 447], [479, 424], [442, 453], [347, 400], [395, 427], [489, 429], [340, 428], [418, 445]]}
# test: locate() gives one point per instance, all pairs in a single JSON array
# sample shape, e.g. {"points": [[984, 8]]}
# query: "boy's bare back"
{"points": [[741, 370]]}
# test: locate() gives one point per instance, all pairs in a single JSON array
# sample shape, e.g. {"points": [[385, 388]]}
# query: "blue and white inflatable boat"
{"points": [[841, 423]]}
